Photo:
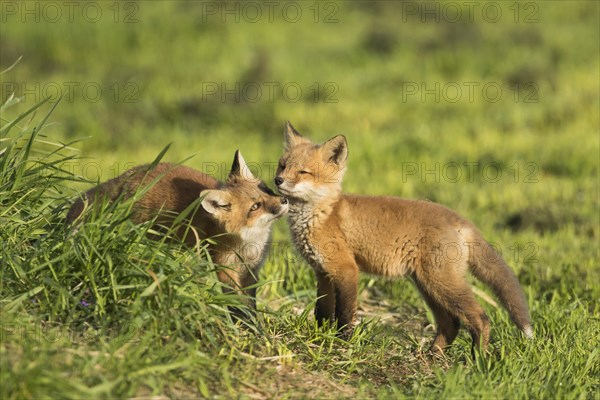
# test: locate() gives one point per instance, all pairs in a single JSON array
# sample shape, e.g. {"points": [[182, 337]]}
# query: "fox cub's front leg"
{"points": [[325, 308], [243, 282], [338, 294]]}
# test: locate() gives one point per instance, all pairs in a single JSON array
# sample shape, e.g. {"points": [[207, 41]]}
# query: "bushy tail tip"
{"points": [[528, 331]]}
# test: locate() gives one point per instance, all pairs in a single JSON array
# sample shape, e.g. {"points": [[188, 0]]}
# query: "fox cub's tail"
{"points": [[490, 268]]}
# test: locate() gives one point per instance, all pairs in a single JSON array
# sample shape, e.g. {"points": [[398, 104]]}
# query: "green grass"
{"points": [[104, 312]]}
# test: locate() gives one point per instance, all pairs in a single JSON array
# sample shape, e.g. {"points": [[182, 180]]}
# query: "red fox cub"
{"points": [[237, 213], [339, 234]]}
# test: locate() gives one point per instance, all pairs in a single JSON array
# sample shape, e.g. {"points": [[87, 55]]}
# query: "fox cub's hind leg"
{"points": [[447, 324], [453, 300]]}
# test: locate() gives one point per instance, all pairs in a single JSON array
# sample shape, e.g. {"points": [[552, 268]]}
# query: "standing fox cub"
{"points": [[339, 234], [237, 213]]}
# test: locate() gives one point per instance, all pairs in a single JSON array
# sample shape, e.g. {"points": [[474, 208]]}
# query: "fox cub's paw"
{"points": [[345, 333]]}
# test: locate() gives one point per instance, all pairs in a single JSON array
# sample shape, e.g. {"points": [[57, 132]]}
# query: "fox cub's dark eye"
{"points": [[304, 172], [281, 166], [255, 207]]}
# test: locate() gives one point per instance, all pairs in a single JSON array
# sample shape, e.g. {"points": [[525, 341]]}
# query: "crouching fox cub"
{"points": [[238, 213], [340, 234]]}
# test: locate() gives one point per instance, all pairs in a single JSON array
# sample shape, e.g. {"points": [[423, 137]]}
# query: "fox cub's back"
{"points": [[242, 206], [169, 187]]}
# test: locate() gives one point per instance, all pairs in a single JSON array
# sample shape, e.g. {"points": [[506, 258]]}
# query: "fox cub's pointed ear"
{"points": [[215, 201], [239, 168], [335, 149], [292, 136]]}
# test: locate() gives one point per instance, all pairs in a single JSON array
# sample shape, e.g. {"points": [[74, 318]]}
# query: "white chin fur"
{"points": [[259, 231]]}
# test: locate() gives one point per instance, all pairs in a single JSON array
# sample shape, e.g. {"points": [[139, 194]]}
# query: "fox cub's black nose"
{"points": [[278, 180], [284, 200]]}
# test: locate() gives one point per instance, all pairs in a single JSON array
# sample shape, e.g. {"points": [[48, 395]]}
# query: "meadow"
{"points": [[488, 107]]}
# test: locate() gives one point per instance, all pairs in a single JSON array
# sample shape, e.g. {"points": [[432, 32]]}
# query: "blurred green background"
{"points": [[405, 81]]}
